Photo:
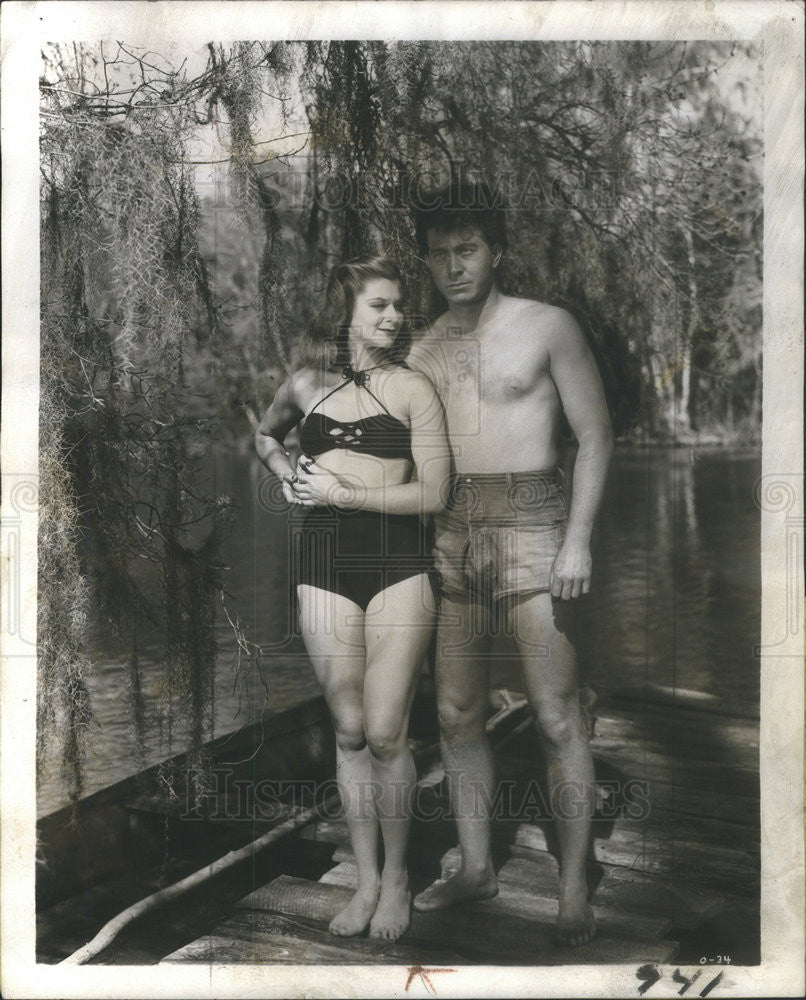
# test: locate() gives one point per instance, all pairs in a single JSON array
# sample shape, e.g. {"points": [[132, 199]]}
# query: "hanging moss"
{"points": [[122, 469]]}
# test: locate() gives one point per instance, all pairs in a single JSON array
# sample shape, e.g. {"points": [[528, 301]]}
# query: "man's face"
{"points": [[462, 264]]}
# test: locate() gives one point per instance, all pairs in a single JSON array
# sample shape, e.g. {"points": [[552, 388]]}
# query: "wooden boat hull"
{"points": [[659, 877], [121, 827]]}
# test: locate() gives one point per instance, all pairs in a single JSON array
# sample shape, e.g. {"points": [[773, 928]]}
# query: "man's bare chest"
{"points": [[483, 370]]}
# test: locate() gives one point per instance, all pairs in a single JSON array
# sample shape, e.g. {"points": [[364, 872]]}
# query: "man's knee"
{"points": [[460, 719], [559, 720]]}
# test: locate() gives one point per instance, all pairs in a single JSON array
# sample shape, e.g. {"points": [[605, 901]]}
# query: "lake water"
{"points": [[676, 601]]}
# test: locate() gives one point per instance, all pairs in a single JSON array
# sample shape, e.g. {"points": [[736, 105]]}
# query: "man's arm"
{"points": [[576, 377]]}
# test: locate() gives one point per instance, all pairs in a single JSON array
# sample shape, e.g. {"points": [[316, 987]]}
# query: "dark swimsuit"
{"points": [[358, 553]]}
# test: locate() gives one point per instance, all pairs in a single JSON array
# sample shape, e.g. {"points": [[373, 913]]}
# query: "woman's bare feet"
{"points": [[463, 887], [575, 924], [355, 916], [393, 913]]}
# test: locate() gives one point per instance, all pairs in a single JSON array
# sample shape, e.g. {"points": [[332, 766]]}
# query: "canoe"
{"points": [[667, 879]]}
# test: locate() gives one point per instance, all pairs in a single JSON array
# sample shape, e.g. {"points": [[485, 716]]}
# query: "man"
{"points": [[506, 369]]}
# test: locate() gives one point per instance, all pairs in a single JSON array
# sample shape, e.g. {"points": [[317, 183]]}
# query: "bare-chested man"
{"points": [[506, 369]]}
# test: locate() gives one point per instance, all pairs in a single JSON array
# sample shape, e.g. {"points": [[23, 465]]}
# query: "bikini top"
{"points": [[381, 434]]}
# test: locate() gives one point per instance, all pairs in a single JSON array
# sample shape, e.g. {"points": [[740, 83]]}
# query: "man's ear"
{"points": [[498, 253]]}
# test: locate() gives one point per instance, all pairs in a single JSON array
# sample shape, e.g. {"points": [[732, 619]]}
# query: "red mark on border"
{"points": [[418, 970]]}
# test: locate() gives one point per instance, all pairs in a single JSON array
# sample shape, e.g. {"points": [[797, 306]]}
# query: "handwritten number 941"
{"points": [[650, 974]]}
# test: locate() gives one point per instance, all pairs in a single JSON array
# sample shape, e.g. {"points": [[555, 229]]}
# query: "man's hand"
{"points": [[571, 572]]}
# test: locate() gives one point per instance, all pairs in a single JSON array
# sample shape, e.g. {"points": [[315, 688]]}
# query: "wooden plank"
{"points": [[697, 775], [738, 779], [218, 949], [635, 892], [467, 929], [641, 847], [716, 732], [640, 760], [520, 901], [327, 831], [664, 825], [272, 947], [718, 868], [345, 874], [661, 826], [678, 698], [307, 935], [610, 733], [297, 897], [728, 744], [660, 790], [739, 809]]}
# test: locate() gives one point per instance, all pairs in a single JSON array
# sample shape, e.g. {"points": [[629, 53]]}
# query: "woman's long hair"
{"points": [[324, 344]]}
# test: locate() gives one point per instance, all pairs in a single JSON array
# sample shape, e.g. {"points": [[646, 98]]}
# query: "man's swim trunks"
{"points": [[358, 553], [499, 534]]}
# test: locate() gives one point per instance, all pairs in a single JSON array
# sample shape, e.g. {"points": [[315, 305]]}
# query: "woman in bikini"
{"points": [[375, 464]]}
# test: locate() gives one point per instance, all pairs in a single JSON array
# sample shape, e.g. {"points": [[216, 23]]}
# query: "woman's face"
{"points": [[377, 313]]}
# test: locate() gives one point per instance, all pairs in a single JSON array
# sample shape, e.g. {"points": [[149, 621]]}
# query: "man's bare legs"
{"points": [[462, 682], [333, 630], [397, 629], [549, 665]]}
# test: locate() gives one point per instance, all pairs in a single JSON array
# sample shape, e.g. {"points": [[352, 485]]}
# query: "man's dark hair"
{"points": [[462, 204]]}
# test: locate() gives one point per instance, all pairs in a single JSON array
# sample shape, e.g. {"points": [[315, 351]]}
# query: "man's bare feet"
{"points": [[459, 888], [393, 914], [575, 924], [355, 916]]}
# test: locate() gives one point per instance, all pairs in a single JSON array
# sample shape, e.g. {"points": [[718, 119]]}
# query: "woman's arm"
{"points": [[429, 447], [284, 413]]}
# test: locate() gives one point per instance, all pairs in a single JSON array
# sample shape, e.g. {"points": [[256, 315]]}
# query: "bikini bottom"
{"points": [[358, 553]]}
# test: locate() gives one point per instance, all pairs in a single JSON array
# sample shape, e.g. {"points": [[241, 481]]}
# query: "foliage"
{"points": [[634, 200], [122, 475]]}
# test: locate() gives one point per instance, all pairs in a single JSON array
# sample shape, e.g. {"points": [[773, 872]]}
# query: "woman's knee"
{"points": [[386, 738], [350, 736]]}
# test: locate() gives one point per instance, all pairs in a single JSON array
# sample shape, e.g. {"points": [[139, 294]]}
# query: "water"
{"points": [[675, 601]]}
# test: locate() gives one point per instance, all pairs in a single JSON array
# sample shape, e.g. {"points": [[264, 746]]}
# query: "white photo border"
{"points": [[777, 27]]}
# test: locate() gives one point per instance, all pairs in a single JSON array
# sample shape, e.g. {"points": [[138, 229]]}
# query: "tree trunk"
{"points": [[684, 413]]}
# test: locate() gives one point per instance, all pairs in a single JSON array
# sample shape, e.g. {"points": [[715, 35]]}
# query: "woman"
{"points": [[375, 464]]}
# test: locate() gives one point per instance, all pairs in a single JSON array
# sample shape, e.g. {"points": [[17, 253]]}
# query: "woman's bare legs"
{"points": [[333, 632], [397, 630]]}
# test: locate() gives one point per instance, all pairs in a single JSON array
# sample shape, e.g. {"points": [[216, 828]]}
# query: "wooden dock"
{"points": [[674, 865]]}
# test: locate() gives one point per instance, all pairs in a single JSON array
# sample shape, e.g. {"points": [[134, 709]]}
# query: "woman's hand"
{"points": [[316, 487], [288, 488]]}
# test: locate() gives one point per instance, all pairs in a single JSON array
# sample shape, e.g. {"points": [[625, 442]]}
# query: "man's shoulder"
{"points": [[532, 311]]}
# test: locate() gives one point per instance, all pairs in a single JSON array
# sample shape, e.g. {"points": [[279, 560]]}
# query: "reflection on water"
{"points": [[676, 596], [675, 601]]}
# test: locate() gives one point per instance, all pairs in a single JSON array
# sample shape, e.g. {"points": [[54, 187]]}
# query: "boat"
{"points": [[674, 862]]}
